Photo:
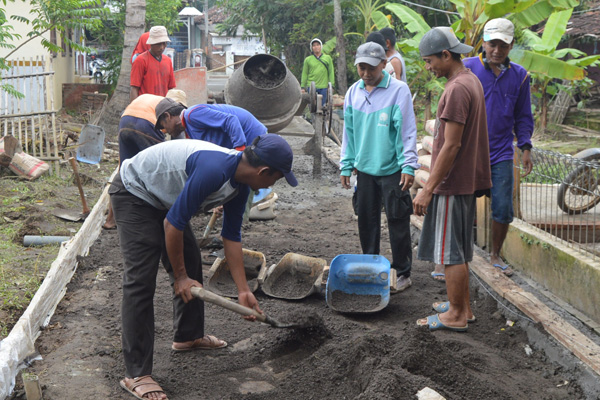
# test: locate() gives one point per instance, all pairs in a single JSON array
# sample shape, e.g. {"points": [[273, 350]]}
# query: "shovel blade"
{"points": [[73, 216]]}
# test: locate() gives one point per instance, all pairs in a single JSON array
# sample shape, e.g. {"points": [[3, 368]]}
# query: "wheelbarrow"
{"points": [[358, 283], [220, 280], [294, 277]]}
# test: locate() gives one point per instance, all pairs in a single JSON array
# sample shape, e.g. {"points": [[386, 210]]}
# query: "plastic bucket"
{"points": [[91, 144], [358, 283]]}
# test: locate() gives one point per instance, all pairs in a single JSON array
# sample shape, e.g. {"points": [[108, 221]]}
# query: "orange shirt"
{"points": [[152, 76], [143, 107]]}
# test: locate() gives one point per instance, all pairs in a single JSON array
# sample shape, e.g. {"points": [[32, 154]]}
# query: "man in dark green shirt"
{"points": [[318, 67]]}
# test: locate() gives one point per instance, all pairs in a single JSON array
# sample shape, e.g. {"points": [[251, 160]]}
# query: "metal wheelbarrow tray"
{"points": [[294, 277], [358, 283], [220, 280]]}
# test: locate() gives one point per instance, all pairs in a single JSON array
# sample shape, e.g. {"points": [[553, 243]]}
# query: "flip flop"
{"points": [[445, 306], [201, 344], [146, 385], [433, 323], [436, 274], [504, 268]]}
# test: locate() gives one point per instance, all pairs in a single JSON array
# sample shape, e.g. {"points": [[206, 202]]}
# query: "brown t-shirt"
{"points": [[463, 101]]}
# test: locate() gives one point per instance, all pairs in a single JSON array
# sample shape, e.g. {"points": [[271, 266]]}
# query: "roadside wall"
{"points": [[566, 273]]}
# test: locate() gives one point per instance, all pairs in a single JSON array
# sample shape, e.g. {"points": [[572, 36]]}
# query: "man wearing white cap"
{"points": [[151, 72], [508, 104], [380, 146], [318, 67]]}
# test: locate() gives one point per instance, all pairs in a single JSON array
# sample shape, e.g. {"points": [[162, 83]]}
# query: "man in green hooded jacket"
{"points": [[318, 67]]}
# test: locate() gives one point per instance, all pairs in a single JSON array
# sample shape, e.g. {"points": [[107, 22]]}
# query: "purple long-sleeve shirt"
{"points": [[508, 105]]}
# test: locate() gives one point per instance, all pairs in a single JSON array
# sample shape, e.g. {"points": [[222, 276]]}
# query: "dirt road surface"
{"points": [[383, 355]]}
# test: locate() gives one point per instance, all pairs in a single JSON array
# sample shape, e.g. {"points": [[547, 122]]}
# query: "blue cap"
{"points": [[275, 153]]}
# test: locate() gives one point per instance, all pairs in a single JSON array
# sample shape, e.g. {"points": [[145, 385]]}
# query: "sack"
{"points": [[421, 177], [9, 145], [425, 162], [27, 166], [430, 127], [427, 143]]}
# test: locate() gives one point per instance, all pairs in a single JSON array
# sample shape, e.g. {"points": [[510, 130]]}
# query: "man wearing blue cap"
{"points": [[154, 198], [379, 145], [460, 171]]}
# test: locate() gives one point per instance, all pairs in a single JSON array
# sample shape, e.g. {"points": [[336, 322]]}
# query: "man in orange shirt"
{"points": [[151, 72]]}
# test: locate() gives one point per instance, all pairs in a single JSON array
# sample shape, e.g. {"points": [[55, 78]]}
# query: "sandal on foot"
{"points": [[144, 384], [442, 307], [208, 342], [505, 269], [433, 323], [437, 275]]}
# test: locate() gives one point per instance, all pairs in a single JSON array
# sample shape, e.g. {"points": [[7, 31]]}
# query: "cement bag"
{"points": [[421, 177], [430, 126], [427, 143], [425, 162], [9, 145], [27, 166]]}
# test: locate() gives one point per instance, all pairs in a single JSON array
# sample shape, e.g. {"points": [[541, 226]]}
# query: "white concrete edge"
{"points": [[20, 342]]}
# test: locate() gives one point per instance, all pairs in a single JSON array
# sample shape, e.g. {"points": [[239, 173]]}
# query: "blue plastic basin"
{"points": [[358, 276]]}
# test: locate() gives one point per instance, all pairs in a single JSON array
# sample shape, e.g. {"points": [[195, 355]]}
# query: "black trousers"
{"points": [[142, 240], [371, 193]]}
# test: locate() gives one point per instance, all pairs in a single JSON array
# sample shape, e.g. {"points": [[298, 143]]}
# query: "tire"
{"points": [[580, 191]]}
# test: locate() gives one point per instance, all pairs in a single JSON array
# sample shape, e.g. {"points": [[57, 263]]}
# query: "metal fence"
{"points": [[561, 197]]}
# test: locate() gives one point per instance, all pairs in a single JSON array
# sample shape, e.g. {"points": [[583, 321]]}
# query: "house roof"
{"points": [[585, 23], [216, 15]]}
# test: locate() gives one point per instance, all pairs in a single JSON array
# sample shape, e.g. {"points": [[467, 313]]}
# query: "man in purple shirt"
{"points": [[508, 105]]}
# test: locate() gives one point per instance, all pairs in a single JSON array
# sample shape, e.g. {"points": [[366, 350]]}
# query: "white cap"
{"points": [[315, 40], [499, 28], [158, 34]]}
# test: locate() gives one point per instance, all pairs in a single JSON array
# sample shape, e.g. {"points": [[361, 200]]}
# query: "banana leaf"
{"points": [[555, 27], [413, 21], [546, 65]]}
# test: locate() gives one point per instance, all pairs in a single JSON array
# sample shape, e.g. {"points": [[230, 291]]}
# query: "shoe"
{"points": [[402, 284], [433, 323], [445, 306], [505, 269]]}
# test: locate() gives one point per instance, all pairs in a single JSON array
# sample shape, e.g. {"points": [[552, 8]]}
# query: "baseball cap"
{"points": [[158, 34], [499, 28], [178, 95], [315, 40], [377, 37], [162, 107], [371, 53], [439, 39], [276, 153]]}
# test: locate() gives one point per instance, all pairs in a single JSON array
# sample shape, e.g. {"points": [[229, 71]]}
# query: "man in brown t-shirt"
{"points": [[460, 168]]}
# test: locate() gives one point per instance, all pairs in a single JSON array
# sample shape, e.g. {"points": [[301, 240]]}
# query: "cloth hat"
{"points": [[371, 53], [499, 28], [276, 153], [158, 34], [162, 107], [178, 95], [316, 40], [377, 37], [439, 39]]}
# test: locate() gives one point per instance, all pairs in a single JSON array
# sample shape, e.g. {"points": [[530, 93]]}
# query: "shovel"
{"points": [[70, 215], [210, 297], [86, 209], [204, 240]]}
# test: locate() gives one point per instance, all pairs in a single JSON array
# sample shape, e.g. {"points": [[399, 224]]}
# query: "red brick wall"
{"points": [[72, 93]]}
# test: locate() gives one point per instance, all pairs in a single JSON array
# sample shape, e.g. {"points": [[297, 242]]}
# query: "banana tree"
{"points": [[545, 61]]}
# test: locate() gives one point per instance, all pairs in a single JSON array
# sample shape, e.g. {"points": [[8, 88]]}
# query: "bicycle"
{"points": [[580, 191]]}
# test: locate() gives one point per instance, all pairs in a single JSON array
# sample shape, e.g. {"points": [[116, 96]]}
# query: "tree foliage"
{"points": [[43, 16]]}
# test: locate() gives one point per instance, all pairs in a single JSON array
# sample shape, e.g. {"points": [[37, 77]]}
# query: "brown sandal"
{"points": [[146, 385], [208, 342]]}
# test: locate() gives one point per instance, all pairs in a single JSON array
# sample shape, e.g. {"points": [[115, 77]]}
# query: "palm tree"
{"points": [[135, 15]]}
